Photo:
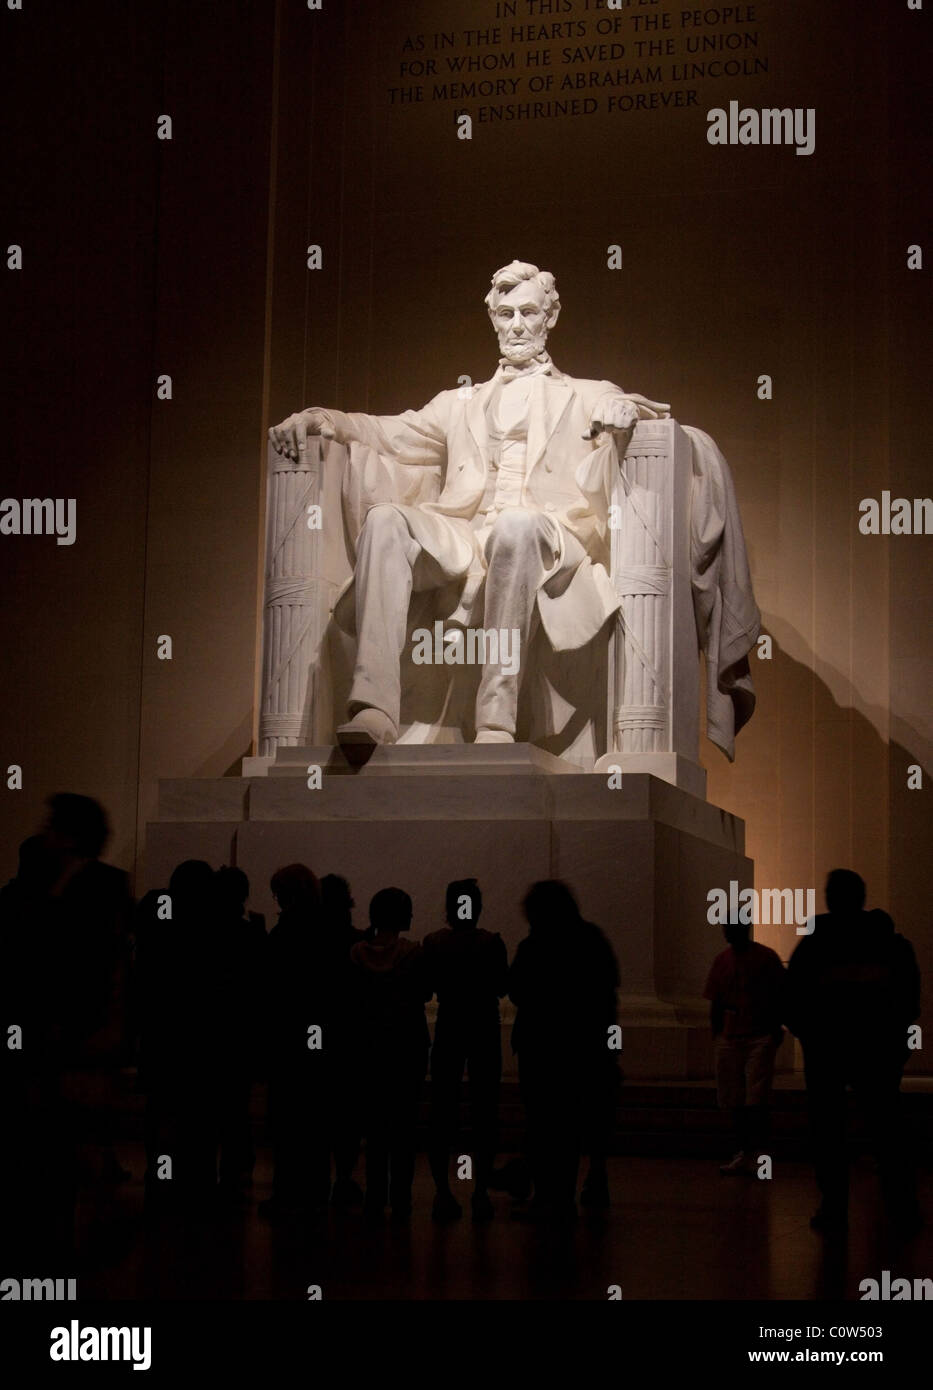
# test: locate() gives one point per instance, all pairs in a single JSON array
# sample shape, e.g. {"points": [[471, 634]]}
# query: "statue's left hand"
{"points": [[290, 438], [613, 413]]}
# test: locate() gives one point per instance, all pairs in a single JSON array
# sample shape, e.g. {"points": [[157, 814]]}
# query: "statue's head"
{"points": [[523, 306]]}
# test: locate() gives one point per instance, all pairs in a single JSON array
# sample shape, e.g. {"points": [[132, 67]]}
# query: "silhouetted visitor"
{"points": [[65, 950], [467, 968], [389, 992], [241, 966], [563, 982], [37, 1158], [745, 988], [29, 987], [90, 915], [337, 907], [854, 990], [91, 909], [231, 888], [154, 960], [182, 1052], [297, 1018]]}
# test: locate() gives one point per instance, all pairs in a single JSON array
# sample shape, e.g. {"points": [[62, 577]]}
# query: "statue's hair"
{"points": [[513, 274]]}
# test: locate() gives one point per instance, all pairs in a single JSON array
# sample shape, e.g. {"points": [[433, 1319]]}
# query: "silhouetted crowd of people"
{"points": [[190, 988], [334, 1019]]}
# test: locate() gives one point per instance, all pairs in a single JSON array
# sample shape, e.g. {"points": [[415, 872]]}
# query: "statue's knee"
{"points": [[383, 519], [513, 530]]}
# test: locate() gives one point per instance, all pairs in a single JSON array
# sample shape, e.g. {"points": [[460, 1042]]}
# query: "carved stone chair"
{"points": [[630, 698]]}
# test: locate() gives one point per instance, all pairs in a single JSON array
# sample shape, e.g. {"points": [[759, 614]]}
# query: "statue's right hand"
{"points": [[291, 436]]}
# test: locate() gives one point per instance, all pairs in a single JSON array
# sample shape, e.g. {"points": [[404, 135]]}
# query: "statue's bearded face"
{"points": [[520, 319]]}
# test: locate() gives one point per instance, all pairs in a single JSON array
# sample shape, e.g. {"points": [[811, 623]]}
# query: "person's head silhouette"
{"points": [[337, 900], [845, 892], [390, 912], [191, 888], [738, 935], [464, 903], [76, 825], [550, 905], [232, 888], [295, 888]]}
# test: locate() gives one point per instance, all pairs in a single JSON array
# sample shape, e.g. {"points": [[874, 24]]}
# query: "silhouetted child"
{"points": [[745, 988], [389, 992], [854, 990], [563, 982], [467, 968]]}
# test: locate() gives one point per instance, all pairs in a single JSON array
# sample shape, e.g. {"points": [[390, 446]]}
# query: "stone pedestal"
{"points": [[641, 858]]}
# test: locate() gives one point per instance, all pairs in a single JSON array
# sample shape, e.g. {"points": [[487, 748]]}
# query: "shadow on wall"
{"points": [[818, 788]]}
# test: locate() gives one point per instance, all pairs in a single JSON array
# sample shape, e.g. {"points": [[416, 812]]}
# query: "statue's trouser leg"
{"points": [[386, 557], [525, 551]]}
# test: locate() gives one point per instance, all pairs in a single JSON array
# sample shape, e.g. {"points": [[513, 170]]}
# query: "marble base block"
{"points": [[641, 858]]}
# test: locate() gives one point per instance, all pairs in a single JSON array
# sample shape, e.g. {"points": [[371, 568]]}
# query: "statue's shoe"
{"points": [[367, 728], [493, 736]]}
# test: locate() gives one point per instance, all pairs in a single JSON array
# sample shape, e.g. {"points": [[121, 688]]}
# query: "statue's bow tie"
{"points": [[538, 366]]}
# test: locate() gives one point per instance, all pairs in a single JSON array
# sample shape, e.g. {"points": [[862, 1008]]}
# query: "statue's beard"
{"points": [[523, 350]]}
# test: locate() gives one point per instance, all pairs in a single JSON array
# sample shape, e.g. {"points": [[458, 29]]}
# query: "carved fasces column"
{"points": [[292, 618], [654, 667]]}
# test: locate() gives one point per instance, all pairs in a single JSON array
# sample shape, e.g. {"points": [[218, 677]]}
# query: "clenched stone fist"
{"points": [[613, 413]]}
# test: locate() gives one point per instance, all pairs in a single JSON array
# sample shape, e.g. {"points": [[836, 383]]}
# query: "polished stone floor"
{"points": [[676, 1230]]}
